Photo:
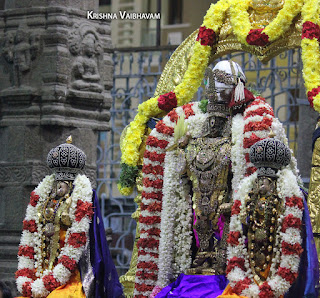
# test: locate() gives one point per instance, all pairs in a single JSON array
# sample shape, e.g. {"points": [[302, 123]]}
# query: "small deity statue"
{"points": [[263, 206], [270, 236], [85, 71], [63, 251]]}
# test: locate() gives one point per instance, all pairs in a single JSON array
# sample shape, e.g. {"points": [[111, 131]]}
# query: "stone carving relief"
{"points": [[13, 174], [84, 44], [20, 48]]}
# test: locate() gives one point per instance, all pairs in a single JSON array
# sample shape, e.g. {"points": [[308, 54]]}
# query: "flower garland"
{"points": [[242, 28], [182, 93], [311, 52], [156, 260], [161, 138], [29, 277], [207, 36], [288, 242]]}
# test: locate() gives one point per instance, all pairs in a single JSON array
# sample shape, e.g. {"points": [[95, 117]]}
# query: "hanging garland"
{"points": [[242, 27], [311, 52], [182, 93], [207, 37], [31, 281], [288, 247]]}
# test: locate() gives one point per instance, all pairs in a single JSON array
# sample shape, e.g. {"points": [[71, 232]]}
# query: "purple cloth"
{"points": [[195, 286], [106, 277]]}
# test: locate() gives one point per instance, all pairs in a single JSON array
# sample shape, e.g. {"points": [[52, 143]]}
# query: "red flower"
{"points": [[265, 291], [77, 239], [167, 102], [34, 199], [152, 195], [152, 232], [310, 30], [291, 222], [26, 251], [67, 262], [250, 171], [236, 207], [287, 274], [50, 283], [154, 156], [150, 169], [154, 142], [259, 125], [235, 262], [25, 272], [153, 207], [143, 287], [173, 116], [145, 253], [147, 265], [141, 296], [26, 289], [291, 249], [206, 36], [241, 285], [311, 94], [146, 275], [152, 183], [30, 225], [148, 242], [233, 238], [248, 142], [188, 111], [257, 38], [259, 112], [294, 201], [83, 209], [163, 128]]}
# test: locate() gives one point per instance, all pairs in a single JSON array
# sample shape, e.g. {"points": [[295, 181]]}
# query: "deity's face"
{"points": [[62, 189], [224, 93], [88, 45], [265, 186], [216, 125]]}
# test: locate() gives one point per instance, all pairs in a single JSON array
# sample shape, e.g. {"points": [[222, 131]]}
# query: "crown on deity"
{"points": [[66, 160], [215, 107], [269, 155], [225, 75]]}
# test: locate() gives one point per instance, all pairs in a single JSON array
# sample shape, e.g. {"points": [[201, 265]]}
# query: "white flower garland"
{"points": [[287, 187], [32, 240]]}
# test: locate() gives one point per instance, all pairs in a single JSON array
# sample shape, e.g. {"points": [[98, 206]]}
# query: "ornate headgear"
{"points": [[66, 160], [214, 106], [225, 75], [269, 155]]}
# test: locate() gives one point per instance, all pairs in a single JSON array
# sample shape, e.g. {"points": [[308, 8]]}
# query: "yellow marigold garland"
{"points": [[311, 52], [239, 19], [184, 93], [241, 25]]}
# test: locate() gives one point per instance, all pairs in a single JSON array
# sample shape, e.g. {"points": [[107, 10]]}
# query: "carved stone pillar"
{"points": [[55, 81]]}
